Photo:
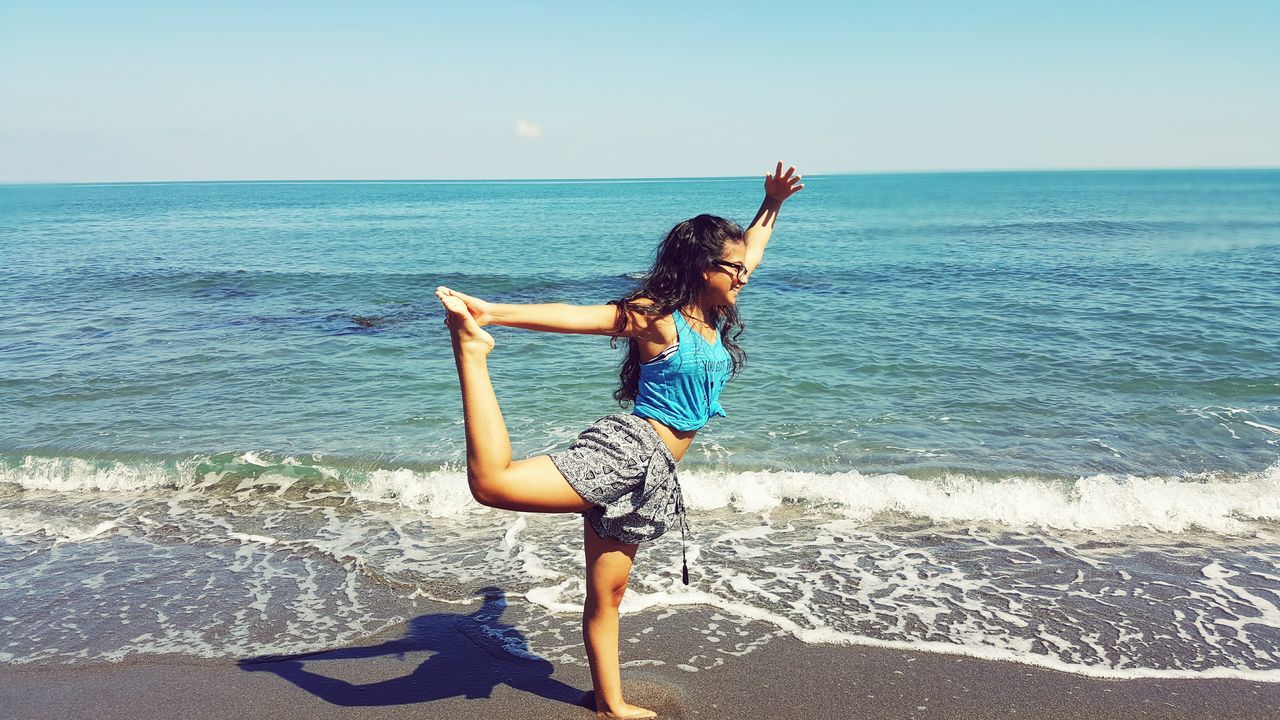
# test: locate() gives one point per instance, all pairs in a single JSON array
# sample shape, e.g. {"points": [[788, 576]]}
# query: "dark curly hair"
{"points": [[674, 282]]}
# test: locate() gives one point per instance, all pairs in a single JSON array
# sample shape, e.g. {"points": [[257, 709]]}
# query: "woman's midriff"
{"points": [[677, 441]]}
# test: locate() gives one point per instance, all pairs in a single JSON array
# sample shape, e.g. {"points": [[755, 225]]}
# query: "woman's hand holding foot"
{"points": [[481, 310], [468, 336]]}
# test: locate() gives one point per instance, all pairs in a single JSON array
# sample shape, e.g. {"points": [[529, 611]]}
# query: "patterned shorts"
{"points": [[622, 467]]}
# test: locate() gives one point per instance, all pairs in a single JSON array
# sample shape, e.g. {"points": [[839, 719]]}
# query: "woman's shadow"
{"points": [[472, 654]]}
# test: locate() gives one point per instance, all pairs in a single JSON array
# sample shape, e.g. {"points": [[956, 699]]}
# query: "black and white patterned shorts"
{"points": [[622, 467]]}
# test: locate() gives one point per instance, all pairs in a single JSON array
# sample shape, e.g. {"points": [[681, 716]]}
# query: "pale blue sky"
{"points": [[118, 90]]}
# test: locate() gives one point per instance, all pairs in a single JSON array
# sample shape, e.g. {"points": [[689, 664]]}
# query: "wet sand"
{"points": [[448, 668]]}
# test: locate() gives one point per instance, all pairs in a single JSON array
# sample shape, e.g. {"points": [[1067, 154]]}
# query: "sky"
{"points": [[151, 91]]}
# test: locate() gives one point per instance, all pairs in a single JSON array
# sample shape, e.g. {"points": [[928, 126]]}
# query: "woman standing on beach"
{"points": [[620, 473]]}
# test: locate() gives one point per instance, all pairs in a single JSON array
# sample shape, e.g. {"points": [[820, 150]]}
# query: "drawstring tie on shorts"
{"points": [[677, 497], [661, 453], [682, 517], [684, 524]]}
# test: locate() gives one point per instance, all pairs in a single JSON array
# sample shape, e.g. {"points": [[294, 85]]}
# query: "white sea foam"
{"points": [[438, 493], [1260, 426], [17, 523], [1094, 503], [808, 554], [965, 644], [69, 474], [1013, 653], [1169, 504], [960, 594], [1012, 569]]}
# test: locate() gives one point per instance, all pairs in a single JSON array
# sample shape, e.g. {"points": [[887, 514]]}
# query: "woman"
{"points": [[620, 472]]}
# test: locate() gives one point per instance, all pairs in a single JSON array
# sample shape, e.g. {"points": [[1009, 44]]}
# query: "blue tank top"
{"points": [[681, 389]]}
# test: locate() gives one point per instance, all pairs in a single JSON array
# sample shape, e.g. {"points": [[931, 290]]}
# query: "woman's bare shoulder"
{"points": [[647, 320]]}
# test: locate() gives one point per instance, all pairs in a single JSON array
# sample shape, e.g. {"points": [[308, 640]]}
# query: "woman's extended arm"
{"points": [[777, 188], [559, 317], [548, 317]]}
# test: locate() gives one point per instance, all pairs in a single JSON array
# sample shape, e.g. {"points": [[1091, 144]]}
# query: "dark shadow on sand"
{"points": [[469, 659]]}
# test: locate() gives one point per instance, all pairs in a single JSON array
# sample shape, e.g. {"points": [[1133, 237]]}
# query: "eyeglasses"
{"points": [[738, 268]]}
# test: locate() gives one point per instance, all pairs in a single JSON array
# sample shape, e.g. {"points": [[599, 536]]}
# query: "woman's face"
{"points": [[726, 277]]}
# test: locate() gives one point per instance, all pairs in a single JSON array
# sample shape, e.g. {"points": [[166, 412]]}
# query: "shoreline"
{"points": [[448, 667]]}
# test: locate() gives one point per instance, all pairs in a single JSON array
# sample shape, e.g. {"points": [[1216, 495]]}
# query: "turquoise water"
{"points": [[1051, 324], [995, 358]]}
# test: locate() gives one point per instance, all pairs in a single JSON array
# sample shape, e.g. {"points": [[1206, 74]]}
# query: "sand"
{"points": [[446, 669]]}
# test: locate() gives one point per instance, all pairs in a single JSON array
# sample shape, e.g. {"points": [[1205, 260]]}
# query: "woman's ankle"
{"points": [[611, 705]]}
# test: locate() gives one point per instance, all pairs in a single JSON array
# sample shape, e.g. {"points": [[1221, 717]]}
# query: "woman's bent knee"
{"points": [[497, 491], [486, 486], [482, 492]]}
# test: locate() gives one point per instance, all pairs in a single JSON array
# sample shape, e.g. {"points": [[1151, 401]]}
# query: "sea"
{"points": [[1027, 416]]}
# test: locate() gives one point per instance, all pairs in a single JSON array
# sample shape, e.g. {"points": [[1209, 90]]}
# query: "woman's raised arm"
{"points": [[548, 317], [777, 188]]}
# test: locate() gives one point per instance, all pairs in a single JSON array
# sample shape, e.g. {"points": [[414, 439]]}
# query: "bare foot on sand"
{"points": [[631, 712], [468, 337]]}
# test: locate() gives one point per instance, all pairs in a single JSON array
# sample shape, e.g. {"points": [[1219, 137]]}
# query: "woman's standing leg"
{"points": [[608, 566], [531, 485], [535, 484]]}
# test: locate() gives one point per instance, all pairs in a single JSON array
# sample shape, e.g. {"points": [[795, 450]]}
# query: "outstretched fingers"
{"points": [[781, 185], [779, 175]]}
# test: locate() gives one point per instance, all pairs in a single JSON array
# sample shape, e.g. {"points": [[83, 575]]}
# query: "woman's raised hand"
{"points": [[479, 309], [779, 186]]}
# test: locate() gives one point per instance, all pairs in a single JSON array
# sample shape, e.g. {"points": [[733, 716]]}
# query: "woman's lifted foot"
{"points": [[468, 337]]}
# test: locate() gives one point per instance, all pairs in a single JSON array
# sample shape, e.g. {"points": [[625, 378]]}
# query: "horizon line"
{"points": [[623, 180]]}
